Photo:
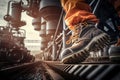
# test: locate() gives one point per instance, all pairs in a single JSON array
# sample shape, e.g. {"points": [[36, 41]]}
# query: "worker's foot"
{"points": [[90, 39]]}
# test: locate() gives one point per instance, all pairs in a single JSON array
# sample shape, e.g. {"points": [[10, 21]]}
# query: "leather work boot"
{"points": [[90, 39], [114, 52]]}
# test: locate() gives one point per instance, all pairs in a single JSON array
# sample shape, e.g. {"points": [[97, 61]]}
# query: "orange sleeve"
{"points": [[70, 4], [63, 2], [77, 11]]}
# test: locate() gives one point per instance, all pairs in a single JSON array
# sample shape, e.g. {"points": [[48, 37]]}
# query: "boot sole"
{"points": [[96, 44]]}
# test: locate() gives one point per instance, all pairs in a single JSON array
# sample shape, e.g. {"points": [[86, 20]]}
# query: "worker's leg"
{"points": [[86, 37]]}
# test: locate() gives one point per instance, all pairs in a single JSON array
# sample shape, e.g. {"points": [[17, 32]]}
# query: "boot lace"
{"points": [[74, 38]]}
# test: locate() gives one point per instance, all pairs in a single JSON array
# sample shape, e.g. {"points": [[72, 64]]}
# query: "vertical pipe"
{"points": [[54, 51], [64, 36], [16, 11]]}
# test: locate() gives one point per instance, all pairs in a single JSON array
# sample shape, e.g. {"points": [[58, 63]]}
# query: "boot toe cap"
{"points": [[65, 53]]}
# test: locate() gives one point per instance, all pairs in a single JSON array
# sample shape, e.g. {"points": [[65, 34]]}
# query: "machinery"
{"points": [[12, 48]]}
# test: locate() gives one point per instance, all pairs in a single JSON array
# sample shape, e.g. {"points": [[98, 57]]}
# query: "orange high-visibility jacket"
{"points": [[77, 11]]}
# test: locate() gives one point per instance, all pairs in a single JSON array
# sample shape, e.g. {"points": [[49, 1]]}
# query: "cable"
{"points": [[96, 6], [58, 25], [92, 2]]}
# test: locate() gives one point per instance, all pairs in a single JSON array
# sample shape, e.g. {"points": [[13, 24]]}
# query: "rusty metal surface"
{"points": [[54, 75], [88, 71], [27, 71]]}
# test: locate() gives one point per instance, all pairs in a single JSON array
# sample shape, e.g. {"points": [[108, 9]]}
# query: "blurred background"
{"points": [[32, 40]]}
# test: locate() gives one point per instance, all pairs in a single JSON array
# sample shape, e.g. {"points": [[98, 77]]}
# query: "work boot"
{"points": [[90, 39], [114, 52]]}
